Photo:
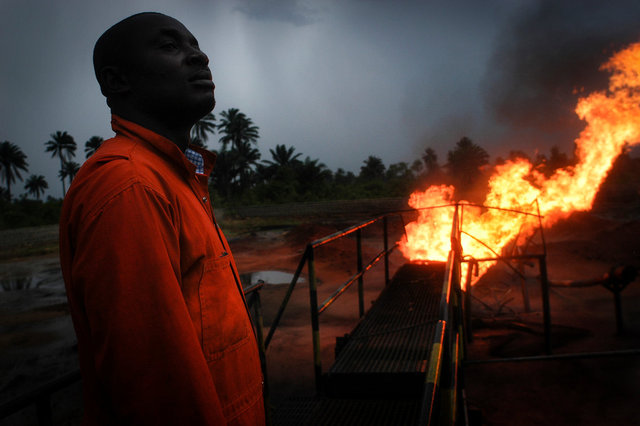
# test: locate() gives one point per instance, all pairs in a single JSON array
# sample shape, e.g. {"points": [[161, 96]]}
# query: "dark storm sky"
{"points": [[339, 79]]}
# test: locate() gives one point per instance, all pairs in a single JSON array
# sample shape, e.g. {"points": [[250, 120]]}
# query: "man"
{"points": [[164, 334]]}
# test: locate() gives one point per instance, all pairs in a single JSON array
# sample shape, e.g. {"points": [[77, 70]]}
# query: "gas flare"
{"points": [[612, 120]]}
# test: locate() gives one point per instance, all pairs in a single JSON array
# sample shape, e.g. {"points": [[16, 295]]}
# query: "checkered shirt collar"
{"points": [[196, 159]]}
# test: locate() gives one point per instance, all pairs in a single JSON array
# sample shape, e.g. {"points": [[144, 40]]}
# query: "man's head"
{"points": [[150, 65]]}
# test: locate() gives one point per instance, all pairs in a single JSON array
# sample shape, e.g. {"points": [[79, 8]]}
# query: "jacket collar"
{"points": [[169, 149]]}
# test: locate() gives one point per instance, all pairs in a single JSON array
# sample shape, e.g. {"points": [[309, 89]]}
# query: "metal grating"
{"points": [[387, 353], [325, 411]]}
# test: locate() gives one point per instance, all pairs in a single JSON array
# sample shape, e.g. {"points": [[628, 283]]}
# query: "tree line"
{"points": [[241, 176]]}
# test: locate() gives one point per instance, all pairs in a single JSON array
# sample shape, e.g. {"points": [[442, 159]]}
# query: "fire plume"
{"points": [[612, 120]]}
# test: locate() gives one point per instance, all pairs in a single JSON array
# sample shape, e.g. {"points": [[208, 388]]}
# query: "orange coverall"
{"points": [[163, 331]]}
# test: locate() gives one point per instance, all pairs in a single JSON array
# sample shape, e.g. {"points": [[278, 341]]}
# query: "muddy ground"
{"points": [[37, 342]]}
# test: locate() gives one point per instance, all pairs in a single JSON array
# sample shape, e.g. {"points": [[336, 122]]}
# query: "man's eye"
{"points": [[169, 45]]}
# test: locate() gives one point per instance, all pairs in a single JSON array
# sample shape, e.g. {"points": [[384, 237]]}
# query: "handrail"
{"points": [[334, 296], [253, 288], [287, 296], [315, 309], [445, 351], [308, 253], [343, 233]]}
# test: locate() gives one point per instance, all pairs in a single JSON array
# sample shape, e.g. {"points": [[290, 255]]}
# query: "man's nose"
{"points": [[198, 57]]}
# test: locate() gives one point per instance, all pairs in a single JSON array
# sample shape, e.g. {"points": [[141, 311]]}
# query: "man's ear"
{"points": [[113, 81]]}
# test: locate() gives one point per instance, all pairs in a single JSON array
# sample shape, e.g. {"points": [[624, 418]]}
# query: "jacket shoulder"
{"points": [[119, 164]]}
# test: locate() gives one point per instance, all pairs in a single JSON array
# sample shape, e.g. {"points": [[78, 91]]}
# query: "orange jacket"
{"points": [[163, 331]]}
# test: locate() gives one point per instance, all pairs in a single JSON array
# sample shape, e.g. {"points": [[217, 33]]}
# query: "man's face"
{"points": [[169, 76]]}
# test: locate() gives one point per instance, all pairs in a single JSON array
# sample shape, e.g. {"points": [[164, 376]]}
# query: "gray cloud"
{"points": [[295, 12], [339, 82], [547, 56]]}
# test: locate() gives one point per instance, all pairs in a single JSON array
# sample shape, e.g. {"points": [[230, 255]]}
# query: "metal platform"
{"points": [[352, 412], [387, 353], [379, 374]]}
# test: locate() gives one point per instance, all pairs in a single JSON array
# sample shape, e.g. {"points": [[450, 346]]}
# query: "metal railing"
{"points": [[440, 397], [443, 392], [316, 309]]}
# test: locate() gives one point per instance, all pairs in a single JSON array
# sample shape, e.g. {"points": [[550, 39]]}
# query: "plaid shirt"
{"points": [[196, 159]]}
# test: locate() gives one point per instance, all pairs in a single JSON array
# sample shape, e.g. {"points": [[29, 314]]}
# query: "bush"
{"points": [[24, 212]]}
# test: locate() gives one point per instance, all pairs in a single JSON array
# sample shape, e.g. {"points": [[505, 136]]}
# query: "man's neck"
{"points": [[176, 132]]}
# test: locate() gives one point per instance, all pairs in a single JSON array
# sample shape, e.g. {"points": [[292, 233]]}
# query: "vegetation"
{"points": [[64, 147], [25, 212], [202, 129], [12, 160], [242, 177], [35, 185], [92, 145]]}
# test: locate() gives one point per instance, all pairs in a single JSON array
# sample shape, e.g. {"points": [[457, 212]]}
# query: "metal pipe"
{"points": [[618, 305], [452, 397], [544, 243], [467, 302], [360, 278], [322, 241], [433, 376], [546, 309], [315, 323], [348, 283], [556, 357], [386, 249], [517, 257], [253, 288], [285, 301], [257, 313]]}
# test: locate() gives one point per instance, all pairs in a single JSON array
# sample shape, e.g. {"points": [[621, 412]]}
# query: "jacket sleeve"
{"points": [[126, 272]]}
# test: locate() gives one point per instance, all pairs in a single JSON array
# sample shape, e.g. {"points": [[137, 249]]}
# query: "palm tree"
{"points": [[64, 147], [12, 160], [430, 159], [35, 185], [283, 156], [236, 128], [373, 168], [243, 159], [69, 170], [92, 145], [464, 164], [202, 129], [312, 176]]}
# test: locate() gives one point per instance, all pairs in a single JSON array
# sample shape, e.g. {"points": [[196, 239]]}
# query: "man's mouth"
{"points": [[202, 78]]}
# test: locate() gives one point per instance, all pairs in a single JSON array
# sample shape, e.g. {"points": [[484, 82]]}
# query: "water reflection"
{"points": [[31, 275], [269, 277], [17, 283]]}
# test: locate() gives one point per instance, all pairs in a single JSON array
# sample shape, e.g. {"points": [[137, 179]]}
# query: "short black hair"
{"points": [[111, 49]]}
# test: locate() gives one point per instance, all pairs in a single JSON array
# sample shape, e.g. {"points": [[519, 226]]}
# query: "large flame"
{"points": [[612, 121]]}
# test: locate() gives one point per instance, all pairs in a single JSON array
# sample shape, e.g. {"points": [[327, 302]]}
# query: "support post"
{"points": [[257, 312], [467, 301], [546, 309], [618, 304], [386, 249], [315, 320], [360, 278], [525, 290]]}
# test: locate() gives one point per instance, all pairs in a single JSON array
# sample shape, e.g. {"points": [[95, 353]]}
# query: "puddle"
{"points": [[49, 279], [269, 277]]}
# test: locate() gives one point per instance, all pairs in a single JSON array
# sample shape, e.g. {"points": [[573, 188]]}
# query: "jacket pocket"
{"points": [[225, 322]]}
